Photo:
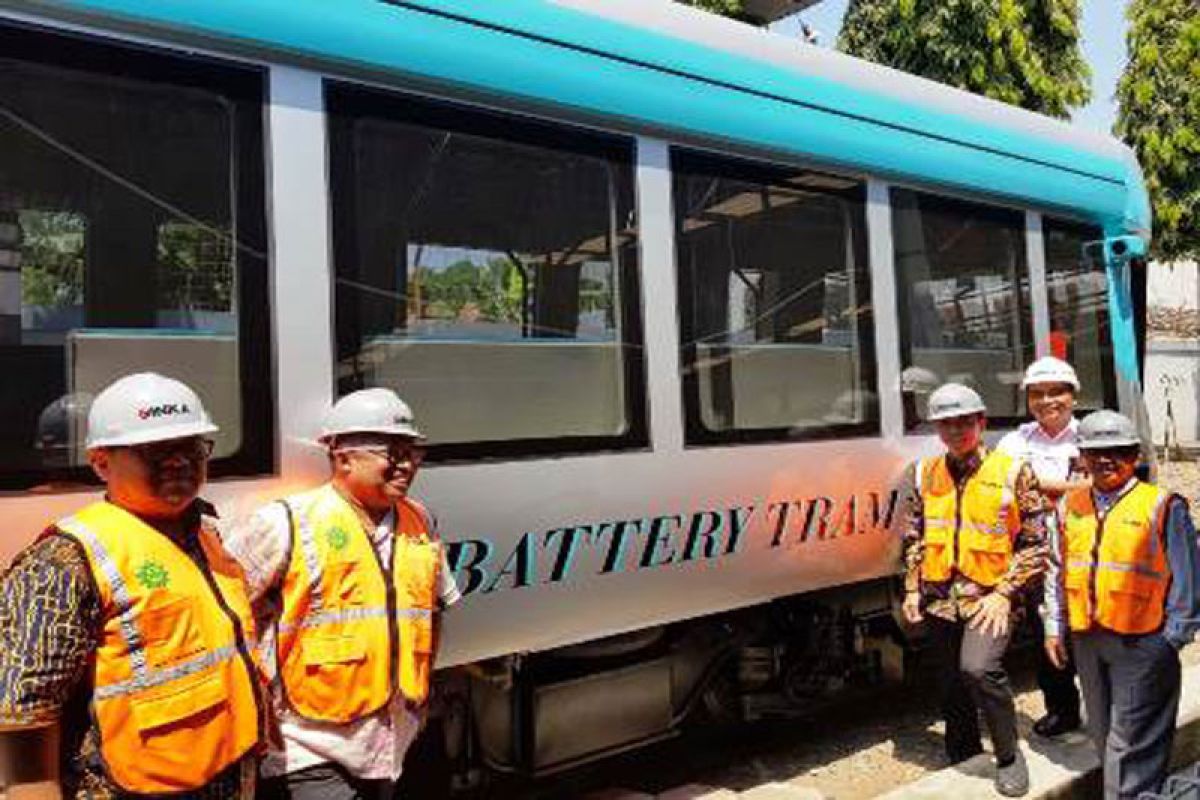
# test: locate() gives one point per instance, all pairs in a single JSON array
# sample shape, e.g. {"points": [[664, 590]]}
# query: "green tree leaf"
{"points": [[1023, 52], [1159, 117]]}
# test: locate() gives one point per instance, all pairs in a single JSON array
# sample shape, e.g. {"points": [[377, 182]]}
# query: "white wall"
{"points": [[1172, 383]]}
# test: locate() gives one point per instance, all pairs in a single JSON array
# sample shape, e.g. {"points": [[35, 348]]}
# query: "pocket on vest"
{"points": [[318, 651], [170, 632], [158, 713], [985, 558]]}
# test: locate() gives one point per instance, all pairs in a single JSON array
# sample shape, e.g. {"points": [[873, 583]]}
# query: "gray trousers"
{"points": [[972, 678], [1131, 693], [325, 782]]}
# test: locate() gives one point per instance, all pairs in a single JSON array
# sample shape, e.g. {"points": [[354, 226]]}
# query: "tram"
{"points": [[666, 291]]}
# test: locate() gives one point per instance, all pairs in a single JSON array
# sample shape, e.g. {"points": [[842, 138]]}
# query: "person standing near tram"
{"points": [[1048, 444], [348, 582], [1124, 580], [125, 630], [975, 540]]}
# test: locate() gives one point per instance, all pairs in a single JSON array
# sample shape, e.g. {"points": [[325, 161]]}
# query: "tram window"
{"points": [[963, 296], [1077, 286], [486, 270], [131, 239], [774, 296]]}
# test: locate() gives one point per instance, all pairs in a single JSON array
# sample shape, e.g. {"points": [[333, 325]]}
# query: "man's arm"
{"points": [[1029, 547], [262, 545], [49, 624], [1183, 598], [914, 542]]}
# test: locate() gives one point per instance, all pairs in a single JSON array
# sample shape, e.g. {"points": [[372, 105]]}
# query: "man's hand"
{"points": [[991, 617], [912, 608], [1056, 651]]}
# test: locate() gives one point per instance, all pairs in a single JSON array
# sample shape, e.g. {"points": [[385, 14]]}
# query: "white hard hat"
{"points": [[145, 407], [954, 400], [370, 411], [918, 379], [1103, 429], [1049, 369]]}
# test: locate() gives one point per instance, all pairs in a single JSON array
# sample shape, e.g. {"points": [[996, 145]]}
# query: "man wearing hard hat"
{"points": [[125, 630], [348, 581], [1124, 579], [1048, 444], [975, 540]]}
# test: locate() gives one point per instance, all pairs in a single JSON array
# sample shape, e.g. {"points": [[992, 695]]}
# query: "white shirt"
{"points": [[371, 748], [1050, 456]]}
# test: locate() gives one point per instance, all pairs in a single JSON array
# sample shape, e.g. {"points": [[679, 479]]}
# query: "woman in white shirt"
{"points": [[1048, 443]]}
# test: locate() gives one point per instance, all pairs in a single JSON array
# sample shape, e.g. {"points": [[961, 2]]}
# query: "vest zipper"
{"points": [[958, 501], [243, 652], [389, 584], [1093, 605]]}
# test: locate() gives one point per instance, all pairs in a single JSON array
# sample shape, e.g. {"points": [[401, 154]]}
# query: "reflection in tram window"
{"points": [[963, 295], [1077, 289], [131, 222], [774, 301], [486, 271]]}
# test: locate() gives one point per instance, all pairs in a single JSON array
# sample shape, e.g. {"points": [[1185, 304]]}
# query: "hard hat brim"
{"points": [[407, 431], [953, 414], [160, 434], [1110, 444], [1074, 384]]}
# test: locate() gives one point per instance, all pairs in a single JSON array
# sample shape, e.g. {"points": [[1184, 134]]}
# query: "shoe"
{"points": [[1053, 725], [1012, 779]]}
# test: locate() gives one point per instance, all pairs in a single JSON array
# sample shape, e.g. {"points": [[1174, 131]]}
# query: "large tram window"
{"points": [[963, 295], [131, 239], [774, 297], [1077, 286], [486, 271]]}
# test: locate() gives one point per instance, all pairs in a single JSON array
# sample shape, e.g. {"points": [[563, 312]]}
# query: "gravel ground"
{"points": [[859, 748]]}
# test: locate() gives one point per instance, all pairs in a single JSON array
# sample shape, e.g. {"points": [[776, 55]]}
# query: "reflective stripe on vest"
{"points": [[969, 531], [1116, 573], [352, 631], [174, 686]]}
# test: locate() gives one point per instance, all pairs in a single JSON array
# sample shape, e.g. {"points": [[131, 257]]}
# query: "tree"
{"points": [[726, 8], [1023, 52], [1159, 117]]}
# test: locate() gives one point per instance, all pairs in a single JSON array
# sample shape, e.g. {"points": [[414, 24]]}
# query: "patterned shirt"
{"points": [[373, 747], [50, 624], [959, 598]]}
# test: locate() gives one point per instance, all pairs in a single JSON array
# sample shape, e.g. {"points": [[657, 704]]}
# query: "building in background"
{"points": [[1172, 383]]}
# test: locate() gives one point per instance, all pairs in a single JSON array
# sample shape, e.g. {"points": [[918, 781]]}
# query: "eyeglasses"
{"points": [[395, 454], [193, 449]]}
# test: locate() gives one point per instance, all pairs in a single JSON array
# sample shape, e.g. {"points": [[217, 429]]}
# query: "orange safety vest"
{"points": [[353, 630], [969, 530], [1116, 572], [175, 686]]}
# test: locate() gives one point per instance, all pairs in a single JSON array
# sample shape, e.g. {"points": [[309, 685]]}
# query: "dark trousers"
{"points": [[1057, 685], [1131, 691], [973, 679], [325, 782]]}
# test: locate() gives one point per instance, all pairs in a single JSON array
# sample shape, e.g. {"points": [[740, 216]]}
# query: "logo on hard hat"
{"points": [[163, 410]]}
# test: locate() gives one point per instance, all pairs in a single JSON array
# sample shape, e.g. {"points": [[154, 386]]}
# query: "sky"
{"points": [[1103, 47]]}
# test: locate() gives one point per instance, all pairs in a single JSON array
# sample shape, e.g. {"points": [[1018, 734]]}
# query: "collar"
{"points": [[1034, 430], [1107, 499], [968, 464]]}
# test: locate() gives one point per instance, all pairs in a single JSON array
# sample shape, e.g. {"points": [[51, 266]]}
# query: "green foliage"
{"points": [[1023, 52], [466, 291], [726, 8], [195, 268], [52, 248], [1159, 117]]}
